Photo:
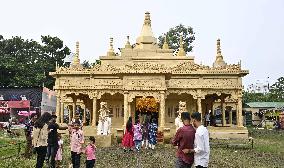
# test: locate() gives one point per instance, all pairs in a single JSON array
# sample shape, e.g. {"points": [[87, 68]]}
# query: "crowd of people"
{"points": [[140, 135], [43, 139]]}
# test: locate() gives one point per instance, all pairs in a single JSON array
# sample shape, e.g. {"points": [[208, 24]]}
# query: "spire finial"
{"points": [[165, 45], [147, 20], [127, 45], [111, 50], [218, 48], [76, 60], [181, 51], [219, 62]]}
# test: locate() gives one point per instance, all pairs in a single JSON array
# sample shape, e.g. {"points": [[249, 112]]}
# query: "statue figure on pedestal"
{"points": [[182, 108], [104, 120]]}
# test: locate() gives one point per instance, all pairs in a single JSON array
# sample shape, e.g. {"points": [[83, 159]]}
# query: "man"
{"points": [[201, 143], [28, 132], [52, 141], [184, 139]]}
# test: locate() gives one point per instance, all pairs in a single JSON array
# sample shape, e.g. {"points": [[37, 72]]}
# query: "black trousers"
{"points": [[181, 164], [75, 159], [200, 166], [51, 153], [41, 153], [90, 163]]}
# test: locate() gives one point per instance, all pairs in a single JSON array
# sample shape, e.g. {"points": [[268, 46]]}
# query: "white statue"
{"points": [[178, 121], [104, 120]]}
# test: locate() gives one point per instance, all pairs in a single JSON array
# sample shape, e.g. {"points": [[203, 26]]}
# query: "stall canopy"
{"points": [[26, 113]]}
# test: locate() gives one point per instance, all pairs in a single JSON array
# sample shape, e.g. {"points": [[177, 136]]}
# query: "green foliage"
{"points": [[276, 94], [173, 37], [277, 89], [27, 63]]}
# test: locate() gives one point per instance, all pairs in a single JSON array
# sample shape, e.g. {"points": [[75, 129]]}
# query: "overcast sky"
{"points": [[250, 30]]}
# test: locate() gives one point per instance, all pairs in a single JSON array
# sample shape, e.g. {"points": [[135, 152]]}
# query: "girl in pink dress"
{"points": [[58, 156], [91, 153], [127, 141], [137, 135]]}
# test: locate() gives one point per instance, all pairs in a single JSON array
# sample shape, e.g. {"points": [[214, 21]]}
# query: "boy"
{"points": [[77, 139], [184, 139]]}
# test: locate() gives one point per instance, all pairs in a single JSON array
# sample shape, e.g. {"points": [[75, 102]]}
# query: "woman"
{"points": [[153, 128], [40, 135], [127, 141]]}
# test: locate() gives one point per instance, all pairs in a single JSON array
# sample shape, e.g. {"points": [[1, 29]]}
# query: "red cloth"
{"points": [[184, 139], [127, 140]]}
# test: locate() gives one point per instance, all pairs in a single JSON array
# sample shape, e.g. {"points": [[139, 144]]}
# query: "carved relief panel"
{"points": [[107, 83], [82, 82], [203, 83], [144, 83]]}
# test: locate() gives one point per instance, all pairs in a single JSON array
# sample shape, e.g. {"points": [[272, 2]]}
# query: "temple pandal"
{"points": [[145, 70]]}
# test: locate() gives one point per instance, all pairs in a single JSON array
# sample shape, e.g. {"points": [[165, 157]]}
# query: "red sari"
{"points": [[127, 140]]}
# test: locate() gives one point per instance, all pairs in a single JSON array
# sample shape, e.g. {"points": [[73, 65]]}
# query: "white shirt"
{"points": [[201, 147]]}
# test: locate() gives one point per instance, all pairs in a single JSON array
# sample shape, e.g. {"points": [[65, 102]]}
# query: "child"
{"points": [[153, 134], [58, 156], [145, 133], [127, 140], [90, 153], [77, 139], [137, 135]]}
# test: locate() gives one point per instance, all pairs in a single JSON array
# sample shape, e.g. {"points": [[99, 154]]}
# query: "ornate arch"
{"points": [[144, 94]]}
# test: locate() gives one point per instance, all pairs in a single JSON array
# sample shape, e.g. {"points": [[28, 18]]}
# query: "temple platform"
{"points": [[228, 132], [101, 140]]}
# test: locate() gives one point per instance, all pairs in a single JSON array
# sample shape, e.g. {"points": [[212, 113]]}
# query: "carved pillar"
{"points": [[129, 109], [62, 112], [84, 114], [199, 107], [69, 114], [231, 117], [94, 115], [223, 112], [74, 107], [162, 109], [125, 105], [58, 108], [239, 112]]}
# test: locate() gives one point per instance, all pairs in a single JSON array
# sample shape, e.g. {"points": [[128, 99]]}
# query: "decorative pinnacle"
{"points": [[76, 60], [219, 62], [218, 48], [181, 51], [147, 20], [165, 45], [111, 50], [127, 45]]}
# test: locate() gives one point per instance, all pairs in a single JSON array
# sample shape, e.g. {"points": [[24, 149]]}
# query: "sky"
{"points": [[250, 30]]}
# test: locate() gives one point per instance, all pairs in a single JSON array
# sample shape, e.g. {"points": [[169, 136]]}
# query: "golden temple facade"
{"points": [[146, 70]]}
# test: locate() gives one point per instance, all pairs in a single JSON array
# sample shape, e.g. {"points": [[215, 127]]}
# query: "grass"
{"points": [[268, 151]]}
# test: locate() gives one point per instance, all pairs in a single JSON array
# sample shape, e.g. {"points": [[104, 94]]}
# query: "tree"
{"points": [[277, 90], [276, 94], [27, 63], [173, 38]]}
